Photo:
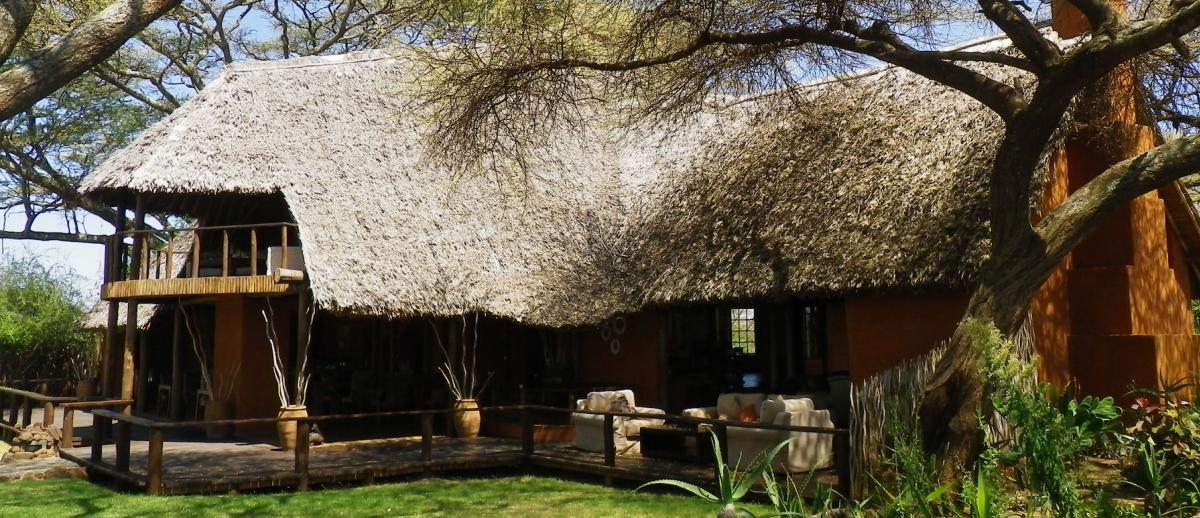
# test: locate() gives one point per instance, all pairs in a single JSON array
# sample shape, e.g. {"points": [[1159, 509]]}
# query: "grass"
{"points": [[523, 496]]}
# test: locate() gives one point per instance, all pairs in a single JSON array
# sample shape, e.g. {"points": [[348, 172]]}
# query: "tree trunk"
{"points": [[956, 394]]}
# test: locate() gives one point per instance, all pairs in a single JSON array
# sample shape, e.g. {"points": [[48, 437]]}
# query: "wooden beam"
{"points": [[176, 405], [131, 320]]}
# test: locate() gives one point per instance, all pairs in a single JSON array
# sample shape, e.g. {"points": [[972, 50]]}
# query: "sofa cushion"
{"points": [[603, 401], [771, 408], [749, 414], [730, 405]]}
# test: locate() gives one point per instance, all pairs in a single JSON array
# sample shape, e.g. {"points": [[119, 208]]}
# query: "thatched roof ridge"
{"points": [[870, 183]]}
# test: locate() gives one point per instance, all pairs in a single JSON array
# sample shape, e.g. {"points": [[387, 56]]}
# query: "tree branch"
{"points": [[1024, 34], [1068, 224], [90, 42], [94, 239], [1000, 97], [1103, 18]]}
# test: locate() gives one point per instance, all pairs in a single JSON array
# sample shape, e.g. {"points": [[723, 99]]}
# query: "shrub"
{"points": [[1047, 442], [40, 310]]}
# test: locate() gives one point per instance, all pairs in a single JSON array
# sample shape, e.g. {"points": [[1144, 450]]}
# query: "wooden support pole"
{"points": [[48, 413], [224, 253], [14, 409], [131, 327], [841, 457], [303, 303], [108, 350], [303, 428], [68, 427], [26, 412], [144, 391], [253, 251], [196, 254], [154, 463], [99, 431], [121, 439], [170, 269], [176, 405], [526, 431], [610, 447], [283, 249], [427, 439]]}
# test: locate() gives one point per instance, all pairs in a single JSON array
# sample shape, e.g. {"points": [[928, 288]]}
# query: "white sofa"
{"points": [[805, 450], [589, 428]]}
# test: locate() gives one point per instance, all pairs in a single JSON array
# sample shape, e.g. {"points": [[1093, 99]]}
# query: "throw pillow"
{"points": [[749, 414]]}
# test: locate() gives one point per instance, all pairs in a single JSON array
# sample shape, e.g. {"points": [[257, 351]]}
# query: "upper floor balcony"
{"points": [[263, 259]]}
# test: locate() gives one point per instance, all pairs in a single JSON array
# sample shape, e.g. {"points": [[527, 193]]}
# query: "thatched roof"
{"points": [[872, 183], [96, 318]]}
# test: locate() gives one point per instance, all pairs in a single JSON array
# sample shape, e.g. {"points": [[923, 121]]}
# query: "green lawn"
{"points": [[476, 498]]}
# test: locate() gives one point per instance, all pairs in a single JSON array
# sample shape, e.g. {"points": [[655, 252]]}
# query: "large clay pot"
{"points": [[287, 429], [466, 418], [218, 410], [85, 389]]}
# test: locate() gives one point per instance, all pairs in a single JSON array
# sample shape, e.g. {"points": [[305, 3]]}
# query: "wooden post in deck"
{"points": [[253, 251], [48, 413], [99, 430], [14, 409], [26, 412], [526, 431], [610, 447], [303, 428], [68, 427], [841, 457], [131, 320], [427, 439], [144, 391], [121, 439], [176, 405], [108, 352], [154, 464]]}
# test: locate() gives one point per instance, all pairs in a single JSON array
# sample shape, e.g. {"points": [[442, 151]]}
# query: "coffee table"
{"points": [[677, 443]]}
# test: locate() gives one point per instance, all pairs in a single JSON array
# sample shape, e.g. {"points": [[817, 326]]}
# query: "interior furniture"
{"points": [[805, 451], [589, 428]]}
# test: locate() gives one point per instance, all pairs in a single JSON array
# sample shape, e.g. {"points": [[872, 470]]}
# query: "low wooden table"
{"points": [[677, 443]]}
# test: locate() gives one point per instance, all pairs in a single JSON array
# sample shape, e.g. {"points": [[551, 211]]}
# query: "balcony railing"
{"points": [[175, 255]]}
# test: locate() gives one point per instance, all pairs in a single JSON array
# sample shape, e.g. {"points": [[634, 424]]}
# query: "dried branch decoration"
{"points": [[297, 395], [462, 380]]}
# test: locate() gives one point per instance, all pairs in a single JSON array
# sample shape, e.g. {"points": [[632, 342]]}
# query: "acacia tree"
{"points": [[517, 69], [47, 149]]}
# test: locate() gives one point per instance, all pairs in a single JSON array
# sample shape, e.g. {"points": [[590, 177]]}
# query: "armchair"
{"points": [[589, 428]]}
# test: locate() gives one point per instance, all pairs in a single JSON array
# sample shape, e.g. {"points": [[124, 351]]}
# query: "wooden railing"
{"points": [[20, 409], [104, 420], [163, 253]]}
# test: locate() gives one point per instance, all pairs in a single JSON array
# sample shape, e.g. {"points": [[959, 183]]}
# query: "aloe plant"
{"points": [[732, 485]]}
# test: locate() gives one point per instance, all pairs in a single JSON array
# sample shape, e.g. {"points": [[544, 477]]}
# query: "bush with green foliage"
{"points": [[40, 309], [1047, 442], [1165, 440]]}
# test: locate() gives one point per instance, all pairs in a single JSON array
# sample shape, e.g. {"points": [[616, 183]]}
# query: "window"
{"points": [[741, 329]]}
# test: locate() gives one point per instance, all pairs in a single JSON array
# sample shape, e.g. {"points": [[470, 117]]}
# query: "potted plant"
{"points": [[291, 399], [461, 379], [85, 365]]}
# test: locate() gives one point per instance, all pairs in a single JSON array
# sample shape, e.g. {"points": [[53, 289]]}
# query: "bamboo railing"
{"points": [[182, 252]]}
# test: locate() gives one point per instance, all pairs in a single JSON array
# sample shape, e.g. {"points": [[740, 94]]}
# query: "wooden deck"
{"points": [[210, 467], [170, 288]]}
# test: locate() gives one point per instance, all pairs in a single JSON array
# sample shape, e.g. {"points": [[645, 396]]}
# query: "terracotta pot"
{"points": [[217, 410], [466, 418], [85, 388], [287, 429]]}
